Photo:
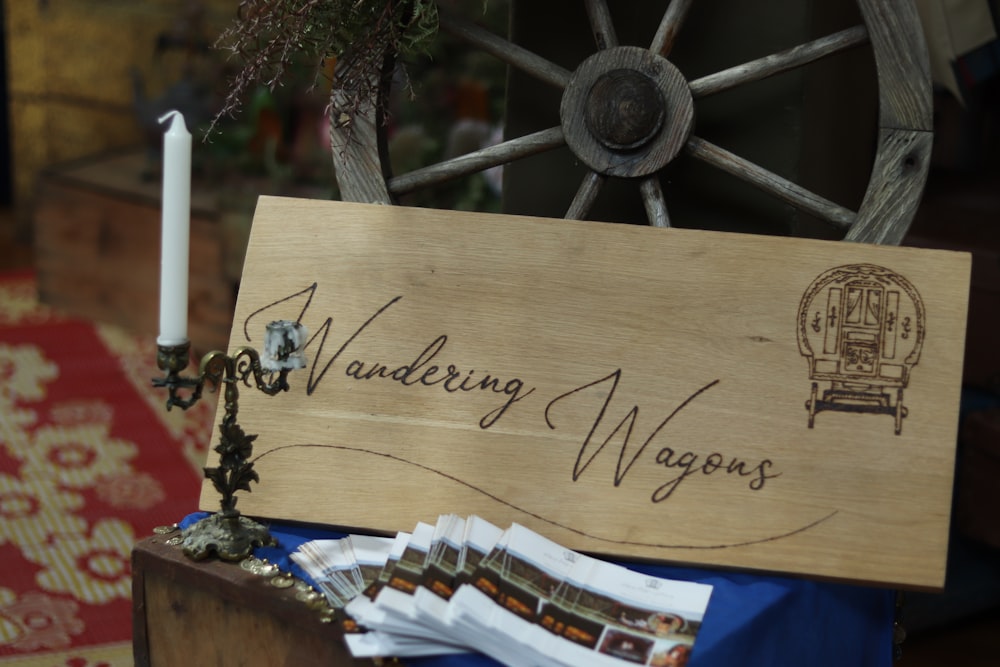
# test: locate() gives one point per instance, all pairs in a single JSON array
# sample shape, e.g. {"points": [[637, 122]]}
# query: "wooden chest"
{"points": [[216, 613], [97, 239]]}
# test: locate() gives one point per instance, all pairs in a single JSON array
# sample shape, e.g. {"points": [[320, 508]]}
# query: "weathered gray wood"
{"points": [[670, 25], [354, 145], [653, 200], [600, 22], [585, 196], [779, 62], [897, 181], [901, 61], [770, 182], [505, 50], [892, 27], [905, 121], [584, 100], [470, 163]]}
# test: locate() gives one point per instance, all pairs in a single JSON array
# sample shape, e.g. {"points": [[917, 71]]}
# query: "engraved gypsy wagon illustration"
{"points": [[861, 327]]}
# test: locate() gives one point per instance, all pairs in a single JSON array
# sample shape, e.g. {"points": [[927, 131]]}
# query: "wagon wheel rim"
{"points": [[643, 120]]}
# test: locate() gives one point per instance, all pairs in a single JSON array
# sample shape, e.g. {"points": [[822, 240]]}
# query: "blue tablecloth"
{"points": [[752, 620]]}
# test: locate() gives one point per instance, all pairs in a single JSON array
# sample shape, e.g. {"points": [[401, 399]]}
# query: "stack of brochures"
{"points": [[465, 585]]}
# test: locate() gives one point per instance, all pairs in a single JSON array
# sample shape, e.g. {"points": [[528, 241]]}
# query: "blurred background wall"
{"points": [[71, 71]]}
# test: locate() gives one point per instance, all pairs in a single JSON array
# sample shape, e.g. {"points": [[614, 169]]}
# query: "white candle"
{"points": [[176, 230]]}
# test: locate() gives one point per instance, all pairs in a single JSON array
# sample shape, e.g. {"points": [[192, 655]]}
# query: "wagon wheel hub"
{"points": [[626, 112]]}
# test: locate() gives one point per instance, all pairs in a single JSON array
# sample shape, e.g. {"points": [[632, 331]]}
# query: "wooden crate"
{"points": [[97, 244], [216, 613]]}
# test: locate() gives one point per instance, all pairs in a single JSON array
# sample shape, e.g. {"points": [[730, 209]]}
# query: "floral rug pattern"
{"points": [[90, 462]]}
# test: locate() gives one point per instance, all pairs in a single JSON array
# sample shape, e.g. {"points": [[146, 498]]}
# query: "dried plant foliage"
{"points": [[271, 37]]}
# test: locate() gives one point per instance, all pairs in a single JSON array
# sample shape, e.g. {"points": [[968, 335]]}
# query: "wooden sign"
{"points": [[773, 404]]}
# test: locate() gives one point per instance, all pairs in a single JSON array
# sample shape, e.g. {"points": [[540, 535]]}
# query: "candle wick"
{"points": [[174, 116]]}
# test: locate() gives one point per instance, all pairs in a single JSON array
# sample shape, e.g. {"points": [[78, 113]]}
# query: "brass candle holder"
{"points": [[228, 534]]}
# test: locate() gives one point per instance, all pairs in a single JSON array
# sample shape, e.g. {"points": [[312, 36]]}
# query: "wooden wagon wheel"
{"points": [[627, 112]]}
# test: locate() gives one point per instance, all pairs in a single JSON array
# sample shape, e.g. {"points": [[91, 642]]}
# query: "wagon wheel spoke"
{"points": [[508, 151], [586, 195], [653, 200], [670, 25], [782, 61], [770, 183], [470, 163], [505, 50], [601, 24]]}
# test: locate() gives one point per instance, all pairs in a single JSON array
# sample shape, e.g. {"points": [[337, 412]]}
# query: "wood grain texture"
{"points": [[624, 390], [903, 157], [894, 191], [469, 163], [904, 88], [355, 146], [769, 182], [215, 613], [507, 51], [902, 64], [779, 62], [584, 94]]}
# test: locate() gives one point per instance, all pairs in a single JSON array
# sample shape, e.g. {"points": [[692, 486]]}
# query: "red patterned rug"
{"points": [[90, 462]]}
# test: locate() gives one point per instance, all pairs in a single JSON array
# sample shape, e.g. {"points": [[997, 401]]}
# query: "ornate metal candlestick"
{"points": [[228, 534]]}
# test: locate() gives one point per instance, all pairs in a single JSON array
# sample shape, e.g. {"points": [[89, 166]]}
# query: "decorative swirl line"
{"points": [[506, 503]]}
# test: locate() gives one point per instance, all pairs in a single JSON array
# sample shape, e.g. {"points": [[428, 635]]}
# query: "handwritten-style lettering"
{"points": [[428, 370], [452, 380], [667, 457], [418, 372], [688, 462]]}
